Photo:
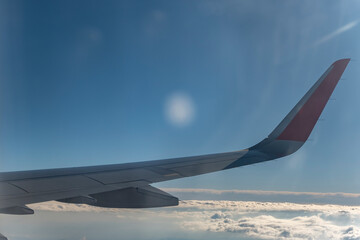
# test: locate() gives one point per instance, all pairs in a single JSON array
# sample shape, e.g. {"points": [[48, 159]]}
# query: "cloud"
{"points": [[274, 220], [179, 109], [337, 32], [259, 192], [269, 227], [242, 219], [217, 219], [266, 196], [54, 206]]}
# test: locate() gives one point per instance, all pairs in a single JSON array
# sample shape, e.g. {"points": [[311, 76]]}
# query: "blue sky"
{"points": [[88, 83]]}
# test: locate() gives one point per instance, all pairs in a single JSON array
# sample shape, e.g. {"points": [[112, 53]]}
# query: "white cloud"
{"points": [[267, 196], [179, 109], [337, 32], [259, 192], [275, 220], [243, 219], [269, 227], [237, 219]]}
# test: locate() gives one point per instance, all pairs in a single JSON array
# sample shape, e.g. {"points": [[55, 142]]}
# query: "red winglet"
{"points": [[304, 121]]}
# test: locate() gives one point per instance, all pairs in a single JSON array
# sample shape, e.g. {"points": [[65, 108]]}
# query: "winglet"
{"points": [[295, 128], [298, 124]]}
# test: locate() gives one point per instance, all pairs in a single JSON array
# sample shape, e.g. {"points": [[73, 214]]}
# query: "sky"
{"points": [[89, 83]]}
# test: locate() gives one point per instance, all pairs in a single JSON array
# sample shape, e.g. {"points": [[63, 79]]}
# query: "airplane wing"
{"points": [[128, 185]]}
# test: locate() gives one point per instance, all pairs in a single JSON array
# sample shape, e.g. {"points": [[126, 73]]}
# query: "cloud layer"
{"points": [[241, 219], [276, 220], [266, 196]]}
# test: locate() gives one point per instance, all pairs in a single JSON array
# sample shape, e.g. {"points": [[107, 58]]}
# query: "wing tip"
{"points": [[302, 123], [296, 127], [342, 61]]}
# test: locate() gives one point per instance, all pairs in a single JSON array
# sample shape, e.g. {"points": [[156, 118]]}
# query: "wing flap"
{"points": [[123, 176], [56, 184], [17, 210], [135, 197], [6, 189]]}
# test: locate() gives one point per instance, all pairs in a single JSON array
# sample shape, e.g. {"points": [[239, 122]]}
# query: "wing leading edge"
{"points": [[128, 185]]}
